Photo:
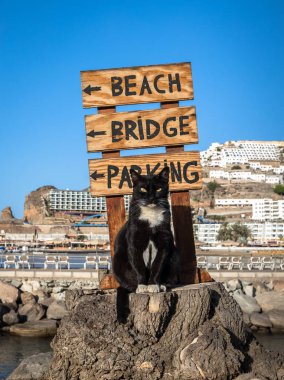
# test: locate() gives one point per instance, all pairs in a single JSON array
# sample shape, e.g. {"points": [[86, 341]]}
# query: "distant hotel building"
{"points": [[263, 209], [72, 200], [261, 232], [243, 152]]}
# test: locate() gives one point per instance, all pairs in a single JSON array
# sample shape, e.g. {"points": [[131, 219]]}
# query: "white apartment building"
{"points": [[263, 209], [233, 202], [241, 152], [245, 176], [267, 209], [71, 200], [279, 170], [261, 232]]}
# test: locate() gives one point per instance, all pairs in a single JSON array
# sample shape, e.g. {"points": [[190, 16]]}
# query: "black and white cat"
{"points": [[145, 256]]}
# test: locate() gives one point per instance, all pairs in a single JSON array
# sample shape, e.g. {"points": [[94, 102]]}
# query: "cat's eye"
{"points": [[159, 190], [143, 190]]}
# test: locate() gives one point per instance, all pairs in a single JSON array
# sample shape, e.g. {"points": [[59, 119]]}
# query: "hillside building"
{"points": [[72, 200], [261, 232]]}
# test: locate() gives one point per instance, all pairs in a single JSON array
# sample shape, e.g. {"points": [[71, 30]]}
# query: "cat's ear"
{"points": [[135, 176], [164, 174]]}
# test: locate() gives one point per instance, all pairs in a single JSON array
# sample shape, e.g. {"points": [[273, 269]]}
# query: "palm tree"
{"points": [[212, 186]]}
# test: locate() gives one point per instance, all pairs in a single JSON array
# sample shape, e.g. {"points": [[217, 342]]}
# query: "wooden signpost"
{"points": [[171, 126]]}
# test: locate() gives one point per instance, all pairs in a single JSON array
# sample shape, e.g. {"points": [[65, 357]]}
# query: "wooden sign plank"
{"points": [[132, 85], [111, 176], [141, 129]]}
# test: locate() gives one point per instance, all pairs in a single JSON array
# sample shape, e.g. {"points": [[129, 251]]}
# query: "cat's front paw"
{"points": [[142, 288], [156, 288]]}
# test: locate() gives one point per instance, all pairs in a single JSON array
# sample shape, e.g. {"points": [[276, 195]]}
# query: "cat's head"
{"points": [[150, 189]]}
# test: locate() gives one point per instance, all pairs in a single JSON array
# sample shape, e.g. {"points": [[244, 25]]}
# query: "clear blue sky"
{"points": [[237, 54]]}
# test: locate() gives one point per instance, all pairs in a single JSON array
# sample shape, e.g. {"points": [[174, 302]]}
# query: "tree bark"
{"points": [[194, 332]]}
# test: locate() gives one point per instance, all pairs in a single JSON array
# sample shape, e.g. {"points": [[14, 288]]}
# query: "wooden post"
{"points": [[115, 211], [182, 221]]}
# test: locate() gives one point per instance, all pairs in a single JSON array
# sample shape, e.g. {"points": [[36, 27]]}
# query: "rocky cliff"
{"points": [[36, 205], [7, 214]]}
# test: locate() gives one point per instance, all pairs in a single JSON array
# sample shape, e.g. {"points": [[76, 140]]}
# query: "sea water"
{"points": [[13, 349]]}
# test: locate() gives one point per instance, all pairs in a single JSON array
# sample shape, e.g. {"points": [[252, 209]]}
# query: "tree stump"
{"points": [[194, 332]]}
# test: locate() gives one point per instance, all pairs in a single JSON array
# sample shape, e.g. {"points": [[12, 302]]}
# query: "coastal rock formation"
{"points": [[36, 205], [194, 332], [8, 293], [6, 214], [32, 368]]}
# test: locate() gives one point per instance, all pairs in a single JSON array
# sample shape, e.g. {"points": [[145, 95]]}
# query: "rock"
{"points": [[45, 327], [246, 319], [193, 332], [26, 287], [11, 318], [260, 320], [234, 284], [12, 305], [247, 304], [31, 312], [278, 286], [35, 208], [57, 289], [32, 368], [58, 296], [249, 290], [4, 309], [277, 318], [8, 293], [272, 300], [16, 283], [261, 288], [47, 302], [56, 310], [270, 285], [40, 295], [7, 214], [27, 297], [30, 286]]}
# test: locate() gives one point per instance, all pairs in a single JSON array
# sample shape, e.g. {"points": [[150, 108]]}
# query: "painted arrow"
{"points": [[96, 175], [89, 89], [94, 134]]}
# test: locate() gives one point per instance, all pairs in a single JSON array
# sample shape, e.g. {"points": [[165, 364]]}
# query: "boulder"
{"points": [[271, 301], [247, 304], [56, 310], [8, 293], [47, 302], [4, 309], [30, 286], [277, 318], [260, 320], [16, 283], [11, 318], [278, 286], [31, 312], [58, 296], [234, 284], [45, 327], [40, 295], [32, 368], [260, 288], [27, 297], [57, 289], [249, 290]]}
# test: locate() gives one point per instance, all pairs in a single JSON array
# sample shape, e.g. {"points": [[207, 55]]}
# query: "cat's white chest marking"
{"points": [[153, 215], [149, 254]]}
